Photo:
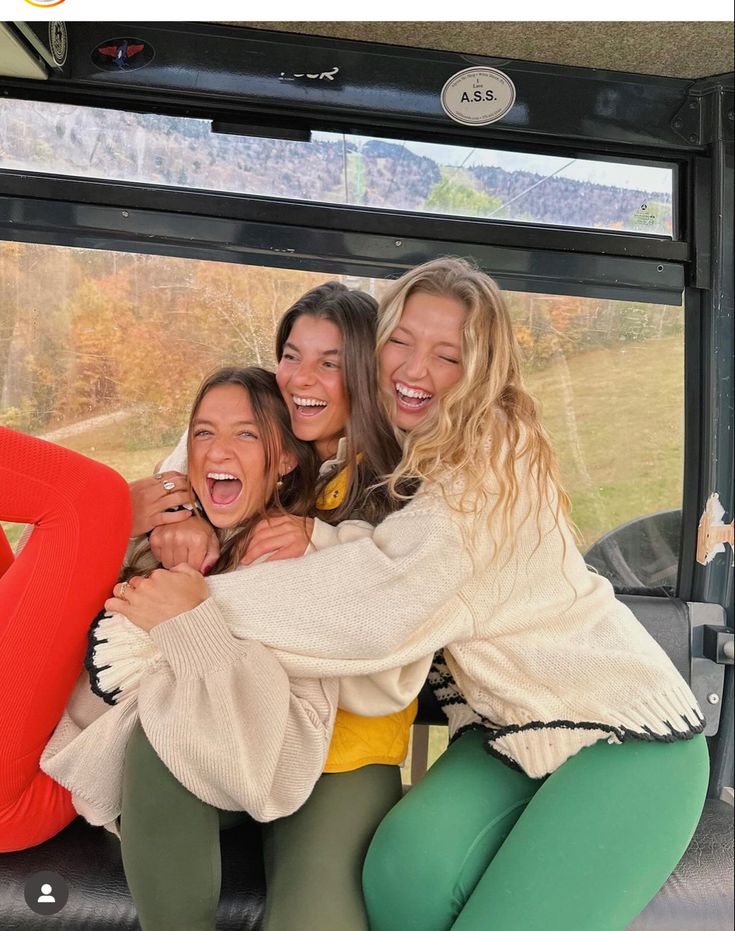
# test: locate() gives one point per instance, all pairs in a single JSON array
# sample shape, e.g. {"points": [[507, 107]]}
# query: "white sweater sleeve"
{"points": [[369, 599], [325, 535], [381, 599], [385, 692], [177, 459], [229, 723]]}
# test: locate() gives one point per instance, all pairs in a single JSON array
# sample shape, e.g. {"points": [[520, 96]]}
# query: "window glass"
{"points": [[610, 379], [103, 352], [449, 180]]}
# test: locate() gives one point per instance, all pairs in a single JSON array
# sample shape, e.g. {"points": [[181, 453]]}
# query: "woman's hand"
{"points": [[194, 543], [283, 536], [164, 594], [151, 497]]}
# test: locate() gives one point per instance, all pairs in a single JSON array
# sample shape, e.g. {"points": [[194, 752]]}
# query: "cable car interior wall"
{"points": [[274, 85]]}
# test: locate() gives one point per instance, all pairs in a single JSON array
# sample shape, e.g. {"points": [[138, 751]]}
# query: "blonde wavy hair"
{"points": [[487, 421]]}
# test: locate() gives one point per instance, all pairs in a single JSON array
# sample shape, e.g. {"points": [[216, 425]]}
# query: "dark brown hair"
{"points": [[296, 492], [368, 431]]}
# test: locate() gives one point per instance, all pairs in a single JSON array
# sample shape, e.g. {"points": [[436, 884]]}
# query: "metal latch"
{"points": [[708, 642], [718, 644]]}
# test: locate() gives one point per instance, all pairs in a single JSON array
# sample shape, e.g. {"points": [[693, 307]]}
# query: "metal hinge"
{"points": [[688, 121], [707, 114]]}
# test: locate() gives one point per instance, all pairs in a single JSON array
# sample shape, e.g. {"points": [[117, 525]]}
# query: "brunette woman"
{"points": [[325, 347]]}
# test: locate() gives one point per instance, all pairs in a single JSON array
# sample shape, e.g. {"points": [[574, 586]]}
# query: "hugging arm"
{"points": [[176, 536], [383, 599], [367, 599], [387, 691]]}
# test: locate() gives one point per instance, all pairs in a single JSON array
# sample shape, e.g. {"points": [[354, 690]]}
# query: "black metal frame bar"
{"points": [[390, 88], [693, 361], [216, 237], [709, 368], [717, 369], [349, 219]]}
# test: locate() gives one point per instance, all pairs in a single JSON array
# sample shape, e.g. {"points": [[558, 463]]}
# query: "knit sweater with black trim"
{"points": [[537, 646], [220, 713]]}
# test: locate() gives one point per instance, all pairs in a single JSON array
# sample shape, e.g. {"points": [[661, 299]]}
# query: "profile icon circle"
{"points": [[46, 892]]}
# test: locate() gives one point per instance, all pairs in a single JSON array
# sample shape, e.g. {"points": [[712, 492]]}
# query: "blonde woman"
{"points": [[577, 768]]}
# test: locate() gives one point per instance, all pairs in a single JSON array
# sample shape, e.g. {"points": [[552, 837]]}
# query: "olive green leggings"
{"points": [[477, 846], [313, 858]]}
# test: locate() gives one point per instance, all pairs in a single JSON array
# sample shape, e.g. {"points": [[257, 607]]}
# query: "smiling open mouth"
{"points": [[308, 407], [223, 487], [411, 399]]}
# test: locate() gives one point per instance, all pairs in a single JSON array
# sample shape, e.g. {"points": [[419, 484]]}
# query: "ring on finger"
{"points": [[169, 485], [123, 588], [158, 476]]}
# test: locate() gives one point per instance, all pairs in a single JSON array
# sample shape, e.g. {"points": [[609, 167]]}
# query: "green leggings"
{"points": [[477, 846], [313, 858]]}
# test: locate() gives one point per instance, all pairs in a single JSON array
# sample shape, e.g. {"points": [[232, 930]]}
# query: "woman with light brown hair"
{"points": [[595, 769], [172, 802]]}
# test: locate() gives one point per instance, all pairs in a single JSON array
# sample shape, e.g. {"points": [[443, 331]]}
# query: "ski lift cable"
{"points": [[395, 170], [529, 189]]}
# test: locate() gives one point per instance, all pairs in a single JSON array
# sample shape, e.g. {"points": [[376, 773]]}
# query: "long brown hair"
{"points": [[292, 493], [368, 430]]}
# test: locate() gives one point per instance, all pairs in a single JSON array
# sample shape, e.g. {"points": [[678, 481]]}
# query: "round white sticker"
{"points": [[478, 96]]}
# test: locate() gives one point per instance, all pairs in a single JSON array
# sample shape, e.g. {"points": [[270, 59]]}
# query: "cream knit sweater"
{"points": [[220, 712], [538, 645]]}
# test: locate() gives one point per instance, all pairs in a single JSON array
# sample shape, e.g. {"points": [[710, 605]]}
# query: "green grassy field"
{"points": [[616, 421], [614, 415]]}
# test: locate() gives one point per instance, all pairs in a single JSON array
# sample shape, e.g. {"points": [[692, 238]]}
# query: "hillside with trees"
{"points": [[158, 149]]}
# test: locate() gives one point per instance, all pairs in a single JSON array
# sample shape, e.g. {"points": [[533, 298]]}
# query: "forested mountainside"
{"points": [[159, 149], [86, 331]]}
